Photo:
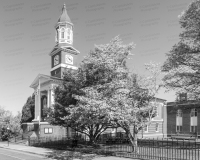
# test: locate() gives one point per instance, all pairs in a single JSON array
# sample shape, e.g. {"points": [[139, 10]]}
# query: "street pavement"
{"points": [[7, 154], [21, 152], [27, 149]]}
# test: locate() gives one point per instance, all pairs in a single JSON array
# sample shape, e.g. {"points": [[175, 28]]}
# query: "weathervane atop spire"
{"points": [[64, 16]]}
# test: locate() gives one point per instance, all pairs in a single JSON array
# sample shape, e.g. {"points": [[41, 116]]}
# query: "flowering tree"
{"points": [[79, 101], [102, 93], [8, 120], [182, 66], [131, 103]]}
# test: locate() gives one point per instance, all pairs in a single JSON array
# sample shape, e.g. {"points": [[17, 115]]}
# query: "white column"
{"points": [[39, 105], [52, 97], [36, 104], [48, 100]]}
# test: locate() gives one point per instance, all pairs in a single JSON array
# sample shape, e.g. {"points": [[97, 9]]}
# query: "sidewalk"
{"points": [[45, 151], [28, 149]]}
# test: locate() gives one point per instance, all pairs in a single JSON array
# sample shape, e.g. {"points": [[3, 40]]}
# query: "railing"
{"points": [[154, 149]]}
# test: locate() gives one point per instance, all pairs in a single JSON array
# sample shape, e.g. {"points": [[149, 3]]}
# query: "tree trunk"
{"points": [[135, 144], [133, 140], [92, 139]]}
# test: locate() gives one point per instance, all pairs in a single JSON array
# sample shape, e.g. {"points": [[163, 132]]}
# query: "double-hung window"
{"points": [[179, 120], [48, 130], [193, 120]]}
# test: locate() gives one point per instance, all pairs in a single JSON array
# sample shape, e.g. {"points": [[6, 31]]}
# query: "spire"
{"points": [[64, 17]]}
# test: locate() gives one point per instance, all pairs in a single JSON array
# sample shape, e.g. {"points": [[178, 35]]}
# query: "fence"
{"points": [[154, 149]]}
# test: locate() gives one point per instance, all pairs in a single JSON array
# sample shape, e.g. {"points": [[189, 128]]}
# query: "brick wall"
{"points": [[198, 121], [57, 130], [186, 121], [171, 120]]}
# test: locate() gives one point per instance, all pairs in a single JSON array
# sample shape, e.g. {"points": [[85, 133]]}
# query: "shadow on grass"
{"points": [[64, 155], [81, 152]]}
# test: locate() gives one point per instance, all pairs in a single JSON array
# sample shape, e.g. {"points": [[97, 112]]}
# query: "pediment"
{"points": [[41, 78], [70, 48]]}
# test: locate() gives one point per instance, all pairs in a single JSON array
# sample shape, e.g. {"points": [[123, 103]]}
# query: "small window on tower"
{"points": [[62, 34], [68, 34]]}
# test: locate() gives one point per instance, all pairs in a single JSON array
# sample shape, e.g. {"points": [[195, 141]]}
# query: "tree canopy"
{"points": [[103, 93], [182, 66], [28, 110], [8, 120]]}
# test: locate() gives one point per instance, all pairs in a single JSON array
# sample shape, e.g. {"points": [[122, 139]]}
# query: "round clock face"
{"points": [[56, 60], [68, 59]]}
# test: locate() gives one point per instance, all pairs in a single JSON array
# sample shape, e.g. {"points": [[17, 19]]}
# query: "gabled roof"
{"points": [[69, 48], [43, 78], [64, 16], [159, 99]]}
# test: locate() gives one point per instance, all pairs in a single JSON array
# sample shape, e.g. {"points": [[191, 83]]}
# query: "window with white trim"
{"points": [[62, 33], [194, 112], [178, 128], [68, 34], [179, 113], [48, 130], [146, 128], [156, 110], [157, 127], [193, 120], [179, 120]]}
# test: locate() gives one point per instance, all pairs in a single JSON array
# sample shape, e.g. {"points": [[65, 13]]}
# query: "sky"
{"points": [[28, 35]]}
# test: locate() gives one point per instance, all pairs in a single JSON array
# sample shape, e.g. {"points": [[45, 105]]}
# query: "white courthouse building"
{"points": [[63, 56]]}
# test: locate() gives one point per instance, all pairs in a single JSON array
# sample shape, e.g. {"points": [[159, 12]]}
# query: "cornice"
{"points": [[65, 49], [64, 66]]}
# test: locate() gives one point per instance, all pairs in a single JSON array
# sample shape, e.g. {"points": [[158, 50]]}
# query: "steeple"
{"points": [[64, 16], [64, 29], [63, 55]]}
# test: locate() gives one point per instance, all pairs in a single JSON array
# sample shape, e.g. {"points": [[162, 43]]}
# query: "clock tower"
{"points": [[63, 55]]}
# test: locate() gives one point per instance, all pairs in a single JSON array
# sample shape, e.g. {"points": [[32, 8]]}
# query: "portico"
{"points": [[43, 88]]}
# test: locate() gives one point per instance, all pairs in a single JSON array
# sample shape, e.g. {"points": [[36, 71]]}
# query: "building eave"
{"points": [[160, 99], [69, 49]]}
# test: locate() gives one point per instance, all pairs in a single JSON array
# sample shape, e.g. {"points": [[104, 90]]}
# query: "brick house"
{"points": [[183, 116]]}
